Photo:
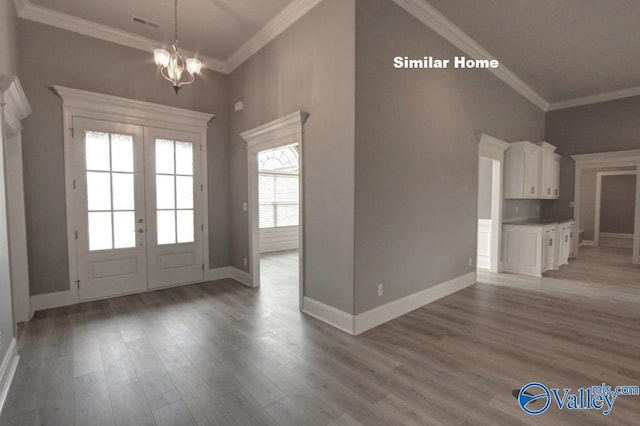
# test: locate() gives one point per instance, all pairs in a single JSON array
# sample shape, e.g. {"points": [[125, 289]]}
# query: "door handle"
{"points": [[139, 230]]}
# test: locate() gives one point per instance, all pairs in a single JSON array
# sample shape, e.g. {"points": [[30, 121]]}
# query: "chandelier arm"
{"points": [[162, 72], [184, 83]]}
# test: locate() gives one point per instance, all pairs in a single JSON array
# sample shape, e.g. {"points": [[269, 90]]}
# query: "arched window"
{"points": [[278, 187], [279, 159]]}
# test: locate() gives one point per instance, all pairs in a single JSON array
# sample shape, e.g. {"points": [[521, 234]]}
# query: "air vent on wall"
{"points": [[142, 21]]}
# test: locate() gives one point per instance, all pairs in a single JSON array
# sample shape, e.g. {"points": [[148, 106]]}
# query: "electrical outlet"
{"points": [[380, 289], [244, 261], [517, 209], [572, 204], [244, 207], [471, 261], [538, 209]]}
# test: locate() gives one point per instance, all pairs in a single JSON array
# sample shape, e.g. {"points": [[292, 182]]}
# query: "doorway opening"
{"points": [[275, 157], [489, 234], [615, 209], [279, 222]]}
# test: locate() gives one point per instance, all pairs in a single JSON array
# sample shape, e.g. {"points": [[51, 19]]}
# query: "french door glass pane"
{"points": [[166, 227], [184, 192], [287, 188], [185, 226], [165, 192], [98, 191], [184, 158], [100, 231], [122, 153], [123, 196], [124, 224], [97, 150], [164, 156], [174, 190], [266, 188]]}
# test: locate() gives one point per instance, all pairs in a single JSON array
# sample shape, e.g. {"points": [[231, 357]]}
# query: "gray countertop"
{"points": [[537, 221]]}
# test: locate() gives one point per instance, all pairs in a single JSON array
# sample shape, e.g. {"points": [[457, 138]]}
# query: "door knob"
{"points": [[139, 230]]}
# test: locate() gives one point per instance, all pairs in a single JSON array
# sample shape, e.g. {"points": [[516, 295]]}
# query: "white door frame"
{"points": [[283, 131], [493, 149], [599, 175], [14, 107], [80, 103], [601, 160]]}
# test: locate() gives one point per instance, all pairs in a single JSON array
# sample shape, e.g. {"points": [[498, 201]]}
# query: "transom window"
{"points": [[278, 187]]}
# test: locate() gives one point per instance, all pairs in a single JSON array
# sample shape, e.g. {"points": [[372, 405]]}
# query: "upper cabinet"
{"points": [[532, 171]]}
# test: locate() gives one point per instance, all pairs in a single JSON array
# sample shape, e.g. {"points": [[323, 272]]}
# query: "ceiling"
{"points": [[557, 53], [562, 49], [214, 28]]}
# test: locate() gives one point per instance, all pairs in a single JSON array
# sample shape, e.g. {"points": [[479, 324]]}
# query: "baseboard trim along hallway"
{"points": [[8, 371], [357, 324]]}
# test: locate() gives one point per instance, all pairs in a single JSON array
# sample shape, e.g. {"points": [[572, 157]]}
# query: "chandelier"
{"points": [[173, 65]]}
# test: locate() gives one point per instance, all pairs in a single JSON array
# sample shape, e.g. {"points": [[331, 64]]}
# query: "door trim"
{"points": [[83, 104], [493, 149], [287, 130]]}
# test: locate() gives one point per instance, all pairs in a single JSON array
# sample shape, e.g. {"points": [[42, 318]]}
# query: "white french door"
{"points": [[138, 208]]}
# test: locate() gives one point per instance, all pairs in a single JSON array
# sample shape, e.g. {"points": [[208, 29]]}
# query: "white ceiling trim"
{"points": [[274, 28], [594, 99], [43, 15], [429, 16]]}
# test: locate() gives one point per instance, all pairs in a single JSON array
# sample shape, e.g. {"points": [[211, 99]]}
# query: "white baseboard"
{"points": [[241, 276], [7, 371], [40, 302], [615, 235], [374, 317], [218, 273], [332, 316], [381, 314], [589, 243]]}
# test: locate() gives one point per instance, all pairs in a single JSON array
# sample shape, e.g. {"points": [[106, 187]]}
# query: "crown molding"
{"points": [[289, 15], [27, 10], [429, 16], [594, 99]]}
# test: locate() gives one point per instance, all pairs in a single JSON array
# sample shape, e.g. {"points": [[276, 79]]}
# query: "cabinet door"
{"points": [[547, 178], [556, 176], [531, 173]]}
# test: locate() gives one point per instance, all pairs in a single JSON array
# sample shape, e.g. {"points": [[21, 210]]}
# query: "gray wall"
{"points": [[308, 67], [8, 66], [485, 182], [417, 155], [601, 127], [617, 208], [51, 56]]}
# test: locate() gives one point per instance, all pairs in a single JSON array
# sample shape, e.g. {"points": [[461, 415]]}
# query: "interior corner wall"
{"points": [[309, 67], [50, 56], [8, 66], [417, 155], [601, 127]]}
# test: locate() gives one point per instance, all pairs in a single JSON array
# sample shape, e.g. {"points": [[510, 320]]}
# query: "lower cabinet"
{"points": [[534, 249]]}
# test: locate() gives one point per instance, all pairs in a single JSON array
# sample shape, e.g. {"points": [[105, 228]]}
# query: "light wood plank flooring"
{"points": [[223, 354]]}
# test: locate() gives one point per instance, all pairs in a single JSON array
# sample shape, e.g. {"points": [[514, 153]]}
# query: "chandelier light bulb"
{"points": [[161, 57]]}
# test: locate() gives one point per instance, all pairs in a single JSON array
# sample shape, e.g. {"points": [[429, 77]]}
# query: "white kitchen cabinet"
{"points": [[528, 249], [556, 175], [549, 171], [522, 171], [565, 237], [532, 171]]}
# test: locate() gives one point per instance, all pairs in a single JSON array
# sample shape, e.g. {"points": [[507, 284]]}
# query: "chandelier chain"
{"points": [[175, 14]]}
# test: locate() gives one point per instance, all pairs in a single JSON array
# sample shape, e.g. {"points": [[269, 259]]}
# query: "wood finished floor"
{"points": [[223, 354]]}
